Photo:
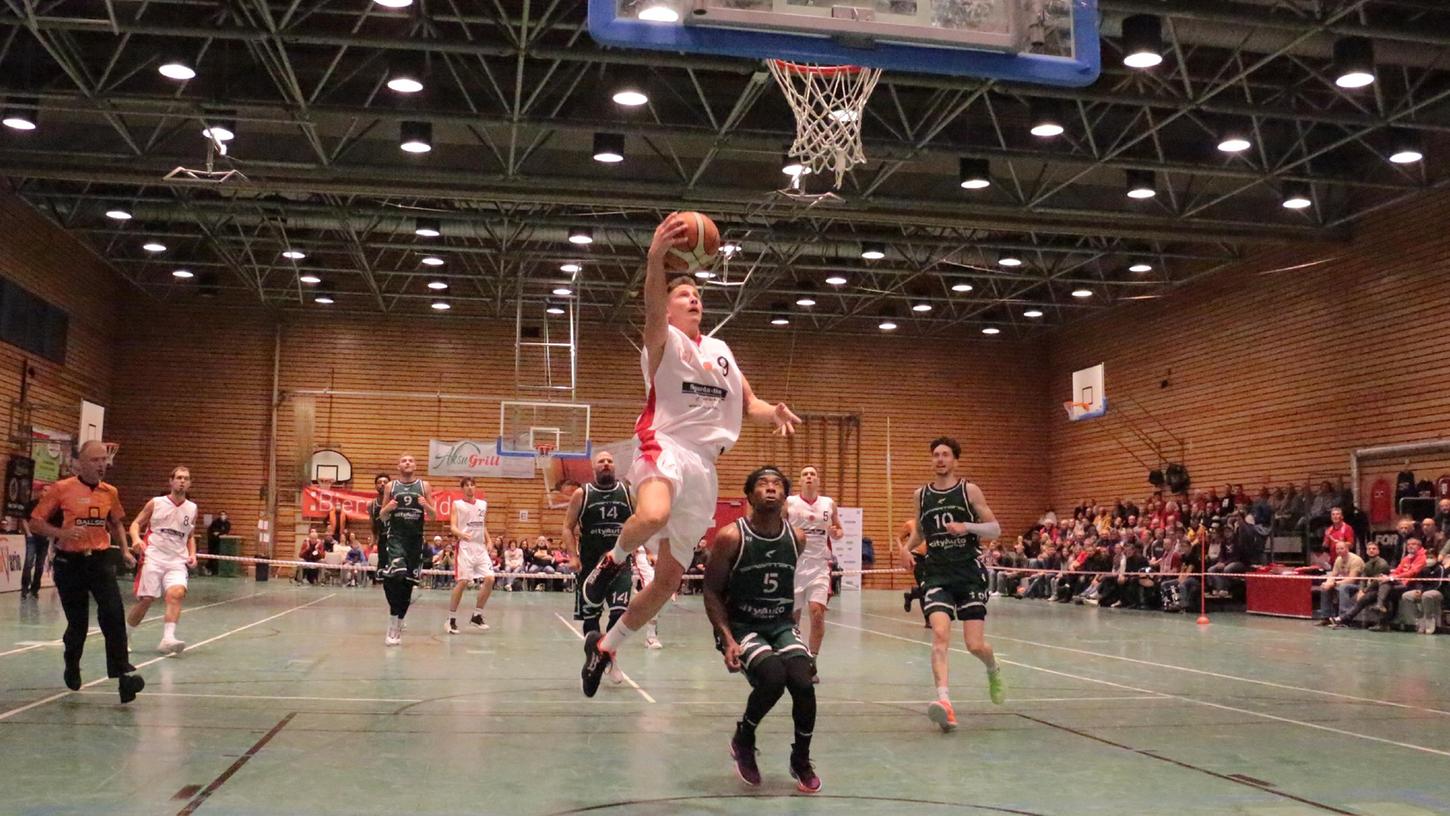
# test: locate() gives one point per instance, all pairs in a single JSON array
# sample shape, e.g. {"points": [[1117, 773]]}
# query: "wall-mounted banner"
{"points": [[471, 457], [317, 501]]}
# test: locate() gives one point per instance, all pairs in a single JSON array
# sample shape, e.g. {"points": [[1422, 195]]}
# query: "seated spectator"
{"points": [[1442, 514], [1373, 579], [1425, 598], [1337, 530], [1121, 588], [513, 562], [542, 563], [313, 552], [1012, 569], [1099, 560], [1039, 585], [1342, 583], [355, 558], [1432, 538], [1243, 546], [1180, 591]]}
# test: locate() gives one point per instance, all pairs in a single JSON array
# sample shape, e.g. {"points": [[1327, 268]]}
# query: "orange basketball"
{"points": [[698, 247]]}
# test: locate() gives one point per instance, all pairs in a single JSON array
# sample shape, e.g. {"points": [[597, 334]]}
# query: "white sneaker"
{"points": [[451, 627], [653, 642], [615, 674], [170, 646], [394, 636], [478, 623]]}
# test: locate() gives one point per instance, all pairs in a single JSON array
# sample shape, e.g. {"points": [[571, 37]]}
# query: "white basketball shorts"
{"points": [[693, 492], [158, 575], [812, 582], [472, 565]]}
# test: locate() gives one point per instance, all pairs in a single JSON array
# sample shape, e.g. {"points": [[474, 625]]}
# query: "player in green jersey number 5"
{"points": [[749, 594], [953, 519]]}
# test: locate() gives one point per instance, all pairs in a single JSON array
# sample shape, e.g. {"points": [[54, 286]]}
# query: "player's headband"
{"points": [[768, 470]]}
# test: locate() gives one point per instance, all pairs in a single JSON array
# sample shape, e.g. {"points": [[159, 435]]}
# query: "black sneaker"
{"points": [[452, 627], [595, 663], [596, 586], [131, 685], [803, 772], [745, 765], [477, 621], [73, 677]]}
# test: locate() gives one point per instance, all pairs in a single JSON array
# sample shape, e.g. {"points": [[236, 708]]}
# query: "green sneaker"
{"points": [[996, 688]]}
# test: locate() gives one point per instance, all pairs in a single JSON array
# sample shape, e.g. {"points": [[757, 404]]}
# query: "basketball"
{"points": [[698, 247]]}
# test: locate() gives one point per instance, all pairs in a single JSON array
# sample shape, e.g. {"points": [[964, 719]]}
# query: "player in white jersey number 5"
{"points": [[168, 549], [815, 517], [696, 399], [469, 523]]}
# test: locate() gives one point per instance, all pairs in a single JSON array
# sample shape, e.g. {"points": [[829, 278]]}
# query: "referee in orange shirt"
{"points": [[84, 516]]}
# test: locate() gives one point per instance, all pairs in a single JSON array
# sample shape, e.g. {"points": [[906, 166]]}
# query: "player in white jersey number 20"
{"points": [[469, 524], [167, 551], [696, 399], [815, 517]]}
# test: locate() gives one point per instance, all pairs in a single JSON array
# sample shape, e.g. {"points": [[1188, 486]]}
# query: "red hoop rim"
{"points": [[804, 68]]}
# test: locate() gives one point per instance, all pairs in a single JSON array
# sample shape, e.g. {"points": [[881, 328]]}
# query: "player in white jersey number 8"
{"points": [[696, 399], [167, 550]]}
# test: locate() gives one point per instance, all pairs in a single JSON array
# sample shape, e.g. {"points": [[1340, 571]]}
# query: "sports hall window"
{"points": [[32, 324]]}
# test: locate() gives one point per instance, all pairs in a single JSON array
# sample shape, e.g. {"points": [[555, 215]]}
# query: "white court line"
{"points": [[1276, 718], [1316, 726], [1218, 675], [267, 697], [627, 678], [96, 630], [190, 647]]}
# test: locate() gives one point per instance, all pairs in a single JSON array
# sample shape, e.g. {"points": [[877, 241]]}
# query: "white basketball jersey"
{"points": [[171, 526], [471, 516], [814, 520], [695, 398]]}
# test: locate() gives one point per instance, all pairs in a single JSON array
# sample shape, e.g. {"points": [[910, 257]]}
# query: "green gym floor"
{"points": [[286, 701]]}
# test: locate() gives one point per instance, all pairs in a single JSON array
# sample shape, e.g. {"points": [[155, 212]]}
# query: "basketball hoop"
{"points": [[326, 484], [1076, 409], [112, 448], [542, 451], [829, 102]]}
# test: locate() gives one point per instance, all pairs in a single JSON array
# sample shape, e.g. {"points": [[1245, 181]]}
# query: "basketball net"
{"points": [[829, 102], [542, 451], [1076, 409], [112, 448]]}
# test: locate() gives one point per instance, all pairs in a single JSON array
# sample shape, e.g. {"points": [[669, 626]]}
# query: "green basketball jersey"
{"points": [[601, 515], [947, 555], [761, 590], [406, 522]]}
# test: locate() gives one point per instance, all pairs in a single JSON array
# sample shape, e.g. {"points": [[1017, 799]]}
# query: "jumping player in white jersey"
{"points": [[169, 549], [469, 523], [696, 399], [815, 517]]}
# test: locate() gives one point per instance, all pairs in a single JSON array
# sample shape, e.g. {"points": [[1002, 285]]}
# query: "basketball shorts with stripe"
{"points": [[617, 599], [693, 489], [759, 642], [961, 597]]}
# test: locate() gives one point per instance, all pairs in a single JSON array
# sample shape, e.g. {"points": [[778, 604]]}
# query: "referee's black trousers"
{"points": [[79, 576]]}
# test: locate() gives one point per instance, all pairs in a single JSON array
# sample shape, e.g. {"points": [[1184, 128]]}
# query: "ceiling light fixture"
{"points": [[182, 274], [921, 307], [415, 137], [554, 309], [580, 236], [887, 324], [1032, 313], [1296, 195], [792, 166], [20, 113], [658, 11], [1142, 41], [118, 214], [1141, 267], [1009, 261], [1142, 184], [1353, 62], [325, 300], [154, 246], [704, 274], [1046, 118], [405, 76], [431, 260], [609, 148], [873, 251], [630, 91], [1082, 293], [961, 288], [394, 4], [177, 68], [562, 291], [437, 285], [441, 305], [991, 330], [427, 227], [309, 278], [974, 174], [1406, 146], [220, 126], [571, 268], [836, 280], [293, 255]]}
